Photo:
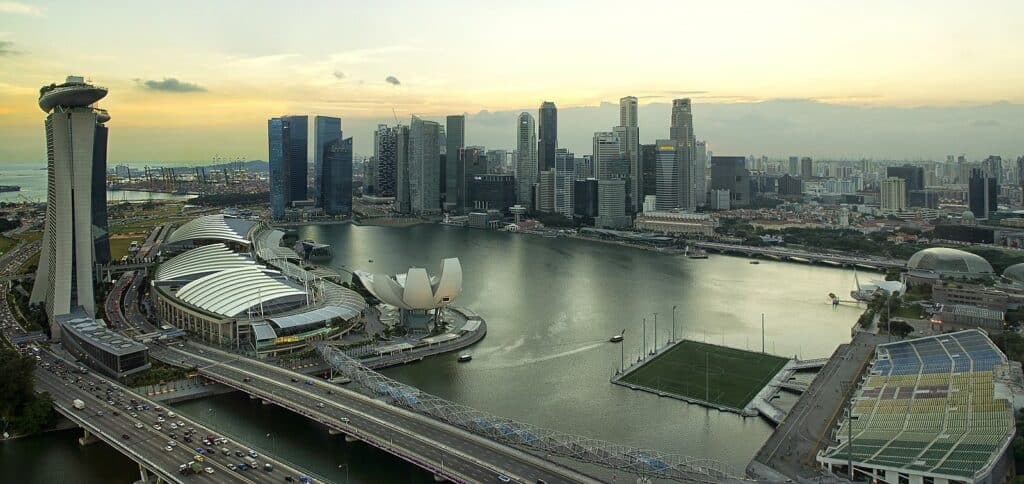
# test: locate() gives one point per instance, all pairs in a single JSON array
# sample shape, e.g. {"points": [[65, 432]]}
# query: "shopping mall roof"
{"points": [[232, 292], [199, 262], [213, 227], [938, 406], [96, 333]]}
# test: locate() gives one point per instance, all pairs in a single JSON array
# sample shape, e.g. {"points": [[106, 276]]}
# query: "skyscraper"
{"points": [[700, 167], [629, 132], [455, 173], [668, 186], [608, 156], [287, 139], [335, 184], [982, 190], [681, 131], [649, 170], [730, 173], [547, 137], [912, 176], [893, 195], [75, 234], [806, 168], [526, 159], [794, 166], [385, 160], [326, 130], [565, 169], [403, 202], [424, 166]]}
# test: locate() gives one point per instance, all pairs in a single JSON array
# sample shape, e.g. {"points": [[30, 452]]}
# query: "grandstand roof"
{"points": [[213, 227], [232, 292], [930, 408], [199, 262]]}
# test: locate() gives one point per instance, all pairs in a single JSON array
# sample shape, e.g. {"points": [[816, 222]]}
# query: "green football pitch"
{"points": [[715, 374]]}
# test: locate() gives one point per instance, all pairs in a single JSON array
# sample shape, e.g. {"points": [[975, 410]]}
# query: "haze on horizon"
{"points": [[189, 80]]}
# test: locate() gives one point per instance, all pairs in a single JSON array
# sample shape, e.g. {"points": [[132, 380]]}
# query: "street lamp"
{"points": [[674, 307]]}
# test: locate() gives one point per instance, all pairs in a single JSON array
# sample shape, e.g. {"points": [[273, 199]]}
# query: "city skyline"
{"points": [[190, 97]]}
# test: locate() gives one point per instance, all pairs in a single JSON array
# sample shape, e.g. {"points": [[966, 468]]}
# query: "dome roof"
{"points": [[1015, 273], [946, 261]]}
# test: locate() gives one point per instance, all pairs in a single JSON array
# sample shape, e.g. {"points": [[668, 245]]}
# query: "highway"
{"points": [[134, 431], [788, 253], [437, 447]]}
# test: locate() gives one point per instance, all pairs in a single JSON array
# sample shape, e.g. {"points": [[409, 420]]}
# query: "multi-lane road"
{"points": [[435, 446], [158, 439]]}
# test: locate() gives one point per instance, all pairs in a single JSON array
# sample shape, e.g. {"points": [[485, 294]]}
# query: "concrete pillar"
{"points": [[349, 438], [264, 402], [87, 438], [334, 432], [439, 478]]}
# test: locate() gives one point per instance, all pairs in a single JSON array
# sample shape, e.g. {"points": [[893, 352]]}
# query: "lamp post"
{"points": [[655, 346], [674, 322], [644, 345]]}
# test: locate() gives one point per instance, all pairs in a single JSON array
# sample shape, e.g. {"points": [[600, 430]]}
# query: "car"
{"points": [[344, 419], [200, 451], [243, 466], [157, 427], [99, 414], [133, 414], [319, 404], [308, 382], [295, 380], [174, 425], [115, 413], [247, 379], [124, 436], [172, 443], [239, 453], [138, 425], [208, 470], [253, 454], [289, 479], [504, 478], [231, 466], [169, 448]]}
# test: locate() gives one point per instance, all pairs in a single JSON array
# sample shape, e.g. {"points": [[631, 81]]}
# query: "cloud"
{"points": [[170, 84], [685, 93], [392, 80], [20, 8], [985, 123], [339, 74], [5, 48]]}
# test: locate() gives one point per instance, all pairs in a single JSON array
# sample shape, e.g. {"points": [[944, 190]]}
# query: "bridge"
{"points": [[867, 262], [644, 462], [447, 452], [137, 433]]}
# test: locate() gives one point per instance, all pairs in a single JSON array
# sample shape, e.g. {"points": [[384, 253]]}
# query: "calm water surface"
{"points": [[550, 306]]}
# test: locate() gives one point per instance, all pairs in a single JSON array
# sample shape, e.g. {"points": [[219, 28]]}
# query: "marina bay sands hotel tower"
{"points": [[75, 235]]}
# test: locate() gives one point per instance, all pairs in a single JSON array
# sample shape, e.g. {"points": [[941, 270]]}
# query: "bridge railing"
{"points": [[511, 432]]}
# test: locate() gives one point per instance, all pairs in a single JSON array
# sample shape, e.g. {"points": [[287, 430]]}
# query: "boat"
{"points": [[10, 188], [698, 254], [755, 262], [465, 357], [618, 338]]}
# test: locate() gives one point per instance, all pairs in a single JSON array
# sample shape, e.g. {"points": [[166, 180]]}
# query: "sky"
{"points": [[189, 80]]}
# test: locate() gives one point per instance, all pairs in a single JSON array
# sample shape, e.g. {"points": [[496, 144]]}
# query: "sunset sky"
{"points": [[191, 79]]}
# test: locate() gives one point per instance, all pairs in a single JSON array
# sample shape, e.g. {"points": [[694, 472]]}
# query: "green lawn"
{"points": [[6, 243], [733, 376], [119, 247]]}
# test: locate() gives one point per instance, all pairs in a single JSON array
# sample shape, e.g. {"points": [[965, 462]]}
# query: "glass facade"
{"points": [[336, 187], [275, 133]]}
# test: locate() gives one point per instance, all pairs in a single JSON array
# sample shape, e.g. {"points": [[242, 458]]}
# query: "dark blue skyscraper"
{"points": [[547, 136], [326, 130], [275, 132], [336, 187], [287, 138]]}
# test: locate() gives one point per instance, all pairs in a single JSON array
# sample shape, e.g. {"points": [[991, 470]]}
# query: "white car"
{"points": [[157, 427], [169, 448], [208, 470], [253, 454], [138, 425]]}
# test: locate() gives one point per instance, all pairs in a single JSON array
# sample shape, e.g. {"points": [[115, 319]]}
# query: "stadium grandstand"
{"points": [[937, 409]]}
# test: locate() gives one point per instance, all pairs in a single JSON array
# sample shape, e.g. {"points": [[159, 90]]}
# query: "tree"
{"points": [[900, 328], [20, 407]]}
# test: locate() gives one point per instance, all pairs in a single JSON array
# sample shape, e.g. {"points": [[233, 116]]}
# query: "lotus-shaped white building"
{"points": [[415, 292]]}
